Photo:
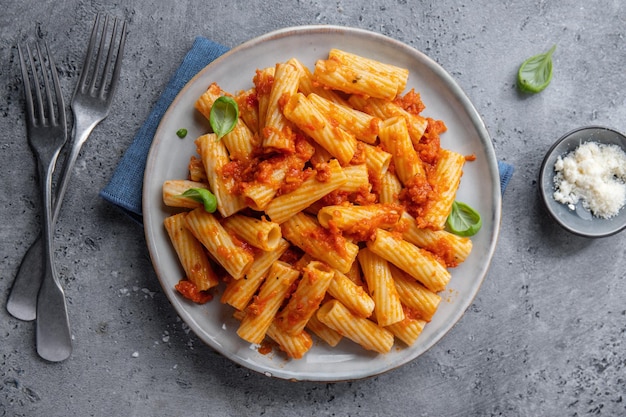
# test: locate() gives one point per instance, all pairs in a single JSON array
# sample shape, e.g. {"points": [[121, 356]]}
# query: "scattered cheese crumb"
{"points": [[594, 174]]}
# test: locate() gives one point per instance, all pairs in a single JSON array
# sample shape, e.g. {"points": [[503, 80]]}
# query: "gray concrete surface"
{"points": [[544, 337]]}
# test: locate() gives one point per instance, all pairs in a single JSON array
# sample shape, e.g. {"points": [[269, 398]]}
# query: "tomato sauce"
{"points": [[411, 102], [189, 290], [415, 196]]}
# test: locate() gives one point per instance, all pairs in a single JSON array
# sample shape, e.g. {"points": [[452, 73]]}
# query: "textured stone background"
{"points": [[544, 336]]}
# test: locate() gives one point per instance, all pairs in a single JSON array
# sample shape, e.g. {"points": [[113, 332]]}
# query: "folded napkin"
{"points": [[125, 186]]}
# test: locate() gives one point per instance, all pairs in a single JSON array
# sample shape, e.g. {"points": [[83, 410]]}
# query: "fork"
{"points": [[47, 134], [91, 103]]}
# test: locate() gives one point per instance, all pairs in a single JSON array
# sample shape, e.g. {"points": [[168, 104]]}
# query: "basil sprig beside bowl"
{"points": [[535, 73]]}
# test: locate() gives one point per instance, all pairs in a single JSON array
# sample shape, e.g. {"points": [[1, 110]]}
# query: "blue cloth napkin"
{"points": [[125, 186]]}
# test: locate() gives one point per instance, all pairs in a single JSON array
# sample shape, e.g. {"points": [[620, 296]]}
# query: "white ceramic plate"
{"points": [[444, 100]]}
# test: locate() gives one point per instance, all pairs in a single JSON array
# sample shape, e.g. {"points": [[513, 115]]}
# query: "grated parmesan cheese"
{"points": [[595, 175]]}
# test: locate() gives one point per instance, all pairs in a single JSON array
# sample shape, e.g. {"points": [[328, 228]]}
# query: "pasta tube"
{"points": [[304, 302], [394, 136], [262, 310], [261, 234], [357, 179], [367, 78], [240, 141], [277, 133], [452, 249], [407, 330], [309, 86], [306, 233], [263, 81], [352, 218], [312, 189], [324, 332], [362, 331], [445, 180], [418, 263], [295, 346], [388, 308], [351, 295], [390, 188], [386, 109], [208, 230], [173, 190], [239, 292], [303, 113], [363, 126], [377, 160], [190, 252], [215, 157], [414, 295], [399, 75]]}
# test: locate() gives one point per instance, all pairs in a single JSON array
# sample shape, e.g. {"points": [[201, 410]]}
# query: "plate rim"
{"points": [[458, 93]]}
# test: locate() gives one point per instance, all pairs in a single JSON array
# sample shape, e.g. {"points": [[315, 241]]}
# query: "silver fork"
{"points": [[90, 105], [47, 134]]}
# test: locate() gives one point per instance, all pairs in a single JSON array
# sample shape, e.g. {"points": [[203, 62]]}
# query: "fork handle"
{"points": [[22, 301], [53, 337], [82, 130], [54, 341]]}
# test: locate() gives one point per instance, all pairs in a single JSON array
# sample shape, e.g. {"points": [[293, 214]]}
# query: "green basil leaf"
{"points": [[535, 73], [224, 116], [204, 196], [463, 220], [181, 133]]}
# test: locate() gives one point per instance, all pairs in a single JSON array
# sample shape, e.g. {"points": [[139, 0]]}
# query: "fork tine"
{"points": [[50, 119], [39, 103], [110, 54], [30, 110], [115, 52], [118, 62], [80, 86], [60, 102], [92, 87], [48, 111], [56, 112]]}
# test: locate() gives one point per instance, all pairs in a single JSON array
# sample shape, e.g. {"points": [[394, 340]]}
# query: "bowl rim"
{"points": [[547, 201]]}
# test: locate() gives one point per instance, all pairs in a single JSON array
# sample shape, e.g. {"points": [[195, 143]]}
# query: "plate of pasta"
{"points": [[309, 240]]}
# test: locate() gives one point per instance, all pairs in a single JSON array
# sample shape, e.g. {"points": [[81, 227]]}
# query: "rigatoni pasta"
{"points": [[190, 252], [332, 194]]}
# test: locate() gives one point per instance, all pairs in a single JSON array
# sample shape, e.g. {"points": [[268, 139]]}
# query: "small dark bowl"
{"points": [[579, 221]]}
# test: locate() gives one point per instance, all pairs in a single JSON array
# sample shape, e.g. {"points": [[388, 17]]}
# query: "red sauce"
{"points": [[256, 306], [410, 313], [189, 290], [332, 241], [430, 143], [265, 348], [445, 253], [282, 100], [359, 154], [291, 255], [415, 196], [411, 102], [252, 101], [263, 82], [366, 229], [323, 172]]}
